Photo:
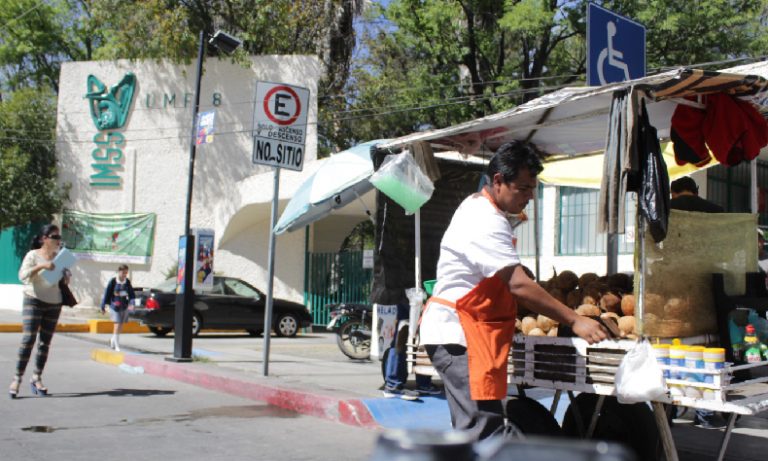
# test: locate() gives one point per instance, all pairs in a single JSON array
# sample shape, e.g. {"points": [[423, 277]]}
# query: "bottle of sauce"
{"points": [[753, 351]]}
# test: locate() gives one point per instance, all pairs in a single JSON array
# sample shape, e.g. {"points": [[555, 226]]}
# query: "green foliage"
{"points": [[27, 158], [433, 63], [360, 238]]}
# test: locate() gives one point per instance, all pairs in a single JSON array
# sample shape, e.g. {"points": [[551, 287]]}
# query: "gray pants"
{"points": [[481, 418]]}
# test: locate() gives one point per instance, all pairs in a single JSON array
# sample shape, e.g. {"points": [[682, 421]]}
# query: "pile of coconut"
{"points": [[589, 295]]}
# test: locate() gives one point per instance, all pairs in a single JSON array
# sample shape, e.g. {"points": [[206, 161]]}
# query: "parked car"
{"points": [[232, 305]]}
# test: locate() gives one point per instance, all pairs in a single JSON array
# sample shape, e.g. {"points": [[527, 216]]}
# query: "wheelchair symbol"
{"points": [[614, 56]]}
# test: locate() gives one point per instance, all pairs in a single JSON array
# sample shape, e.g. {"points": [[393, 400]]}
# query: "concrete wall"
{"points": [[155, 160]]}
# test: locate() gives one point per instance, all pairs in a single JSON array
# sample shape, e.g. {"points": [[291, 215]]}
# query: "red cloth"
{"points": [[733, 130]]}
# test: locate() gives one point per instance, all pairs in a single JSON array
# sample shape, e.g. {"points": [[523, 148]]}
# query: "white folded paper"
{"points": [[64, 260]]}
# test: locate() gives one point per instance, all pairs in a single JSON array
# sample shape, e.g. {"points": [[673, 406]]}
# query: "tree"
{"points": [[433, 63], [27, 158]]}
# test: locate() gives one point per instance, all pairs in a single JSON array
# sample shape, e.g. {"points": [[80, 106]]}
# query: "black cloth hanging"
{"points": [[654, 186]]}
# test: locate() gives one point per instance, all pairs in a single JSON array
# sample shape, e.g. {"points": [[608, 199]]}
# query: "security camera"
{"points": [[225, 42]]}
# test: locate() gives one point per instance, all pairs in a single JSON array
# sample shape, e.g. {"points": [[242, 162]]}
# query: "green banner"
{"points": [[110, 237]]}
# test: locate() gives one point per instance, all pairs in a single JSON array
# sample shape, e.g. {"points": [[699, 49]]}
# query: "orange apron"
{"points": [[487, 315]]}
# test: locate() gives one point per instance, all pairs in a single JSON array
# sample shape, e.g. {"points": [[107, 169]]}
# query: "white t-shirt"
{"points": [[479, 242]]}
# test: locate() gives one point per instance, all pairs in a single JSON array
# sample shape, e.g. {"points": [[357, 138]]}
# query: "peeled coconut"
{"points": [[552, 332], [609, 302], [627, 324], [588, 310], [527, 324], [544, 322], [654, 304], [628, 304], [537, 332], [589, 300], [612, 315], [676, 308], [518, 325]]}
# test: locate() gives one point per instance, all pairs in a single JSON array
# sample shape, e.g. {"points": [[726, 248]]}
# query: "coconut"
{"points": [[612, 315], [589, 300], [567, 281], [545, 323], [558, 294], [574, 299], [627, 324], [552, 332], [586, 279], [527, 324], [628, 304], [676, 308], [654, 304], [620, 282], [588, 310], [609, 302], [518, 325], [536, 332]]}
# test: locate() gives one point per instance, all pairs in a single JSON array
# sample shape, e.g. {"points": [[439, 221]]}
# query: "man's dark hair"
{"points": [[122, 267], [511, 157], [684, 184]]}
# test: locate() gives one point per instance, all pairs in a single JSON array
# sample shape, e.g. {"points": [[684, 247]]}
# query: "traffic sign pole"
{"points": [[271, 277]]}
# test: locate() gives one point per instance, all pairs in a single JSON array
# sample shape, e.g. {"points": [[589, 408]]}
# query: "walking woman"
{"points": [[118, 296], [42, 306]]}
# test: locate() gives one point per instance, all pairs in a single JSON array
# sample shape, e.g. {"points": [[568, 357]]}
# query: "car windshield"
{"points": [[168, 286], [238, 288]]}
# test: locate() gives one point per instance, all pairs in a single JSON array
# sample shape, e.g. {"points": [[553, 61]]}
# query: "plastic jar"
{"points": [[694, 358], [662, 356], [714, 359], [677, 359]]}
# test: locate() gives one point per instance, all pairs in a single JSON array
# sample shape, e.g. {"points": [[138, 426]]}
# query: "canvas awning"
{"points": [[573, 121]]}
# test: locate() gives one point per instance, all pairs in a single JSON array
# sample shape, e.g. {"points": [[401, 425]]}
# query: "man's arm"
{"points": [[537, 299]]}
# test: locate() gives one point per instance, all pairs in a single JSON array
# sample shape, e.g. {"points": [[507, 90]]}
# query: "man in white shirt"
{"points": [[468, 323]]}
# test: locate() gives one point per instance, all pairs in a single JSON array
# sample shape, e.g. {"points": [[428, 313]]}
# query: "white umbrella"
{"points": [[341, 179]]}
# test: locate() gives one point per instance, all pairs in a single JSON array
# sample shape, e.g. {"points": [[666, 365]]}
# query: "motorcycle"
{"points": [[352, 324]]}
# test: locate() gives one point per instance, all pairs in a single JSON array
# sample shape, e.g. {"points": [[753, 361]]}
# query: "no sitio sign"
{"points": [[280, 125]]}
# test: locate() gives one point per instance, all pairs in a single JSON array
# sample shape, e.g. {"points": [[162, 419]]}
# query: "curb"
{"points": [[60, 328], [347, 411]]}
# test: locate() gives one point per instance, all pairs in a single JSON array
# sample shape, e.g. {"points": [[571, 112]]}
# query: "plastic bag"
{"points": [[639, 377], [400, 178]]}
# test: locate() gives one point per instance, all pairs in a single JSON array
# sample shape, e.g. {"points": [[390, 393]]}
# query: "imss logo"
{"points": [[109, 111]]}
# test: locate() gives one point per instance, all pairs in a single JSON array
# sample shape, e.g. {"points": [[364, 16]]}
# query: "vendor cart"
{"points": [[571, 124]]}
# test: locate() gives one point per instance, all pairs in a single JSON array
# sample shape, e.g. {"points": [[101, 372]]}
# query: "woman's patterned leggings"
{"points": [[38, 316]]}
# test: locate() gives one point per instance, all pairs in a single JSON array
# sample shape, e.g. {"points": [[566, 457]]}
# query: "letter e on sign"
{"points": [[280, 125]]}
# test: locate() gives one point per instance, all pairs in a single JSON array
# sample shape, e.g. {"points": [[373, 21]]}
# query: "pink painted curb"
{"points": [[347, 411]]}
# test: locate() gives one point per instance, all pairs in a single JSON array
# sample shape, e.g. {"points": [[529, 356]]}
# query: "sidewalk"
{"points": [[308, 374]]}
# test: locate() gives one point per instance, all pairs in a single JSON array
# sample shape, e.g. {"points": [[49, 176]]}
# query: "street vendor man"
{"points": [[468, 323]]}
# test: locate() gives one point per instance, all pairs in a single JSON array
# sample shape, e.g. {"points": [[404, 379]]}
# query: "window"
{"points": [[238, 288], [526, 232], [578, 223]]}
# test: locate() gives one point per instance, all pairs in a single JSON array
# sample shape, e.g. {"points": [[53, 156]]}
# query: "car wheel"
{"points": [[160, 331], [287, 325], [255, 332], [197, 324]]}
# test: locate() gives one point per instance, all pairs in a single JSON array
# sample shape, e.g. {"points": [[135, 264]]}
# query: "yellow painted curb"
{"points": [[10, 328], [72, 328], [107, 326], [107, 356]]}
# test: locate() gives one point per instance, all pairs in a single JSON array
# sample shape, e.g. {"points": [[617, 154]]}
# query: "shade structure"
{"points": [[342, 178]]}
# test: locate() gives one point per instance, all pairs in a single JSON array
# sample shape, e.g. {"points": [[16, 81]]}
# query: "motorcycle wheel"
{"points": [[354, 340]]}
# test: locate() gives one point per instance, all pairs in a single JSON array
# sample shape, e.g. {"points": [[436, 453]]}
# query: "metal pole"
{"points": [[537, 235], [271, 276], [752, 186], [182, 339]]}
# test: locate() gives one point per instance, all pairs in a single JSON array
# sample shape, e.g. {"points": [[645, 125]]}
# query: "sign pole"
{"points": [[271, 276]]}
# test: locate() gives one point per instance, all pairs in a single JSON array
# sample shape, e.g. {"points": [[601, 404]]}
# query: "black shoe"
{"points": [[713, 421], [405, 394]]}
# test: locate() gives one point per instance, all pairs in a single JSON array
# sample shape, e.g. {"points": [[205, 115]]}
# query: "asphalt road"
{"points": [[100, 412]]}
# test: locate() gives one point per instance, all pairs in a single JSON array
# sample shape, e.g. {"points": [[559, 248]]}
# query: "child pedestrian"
{"points": [[118, 296]]}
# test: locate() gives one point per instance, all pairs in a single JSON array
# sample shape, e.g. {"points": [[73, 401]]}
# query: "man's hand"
{"points": [[590, 330]]}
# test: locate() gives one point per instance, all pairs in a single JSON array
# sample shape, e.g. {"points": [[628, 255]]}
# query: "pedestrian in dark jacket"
{"points": [[118, 297]]}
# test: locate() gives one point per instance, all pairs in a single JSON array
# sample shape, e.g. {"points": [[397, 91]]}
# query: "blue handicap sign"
{"points": [[615, 47]]}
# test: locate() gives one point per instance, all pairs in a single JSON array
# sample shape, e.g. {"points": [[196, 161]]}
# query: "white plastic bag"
{"points": [[639, 377], [401, 179]]}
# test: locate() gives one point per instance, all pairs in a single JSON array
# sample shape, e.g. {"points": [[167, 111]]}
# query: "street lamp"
{"points": [[182, 322]]}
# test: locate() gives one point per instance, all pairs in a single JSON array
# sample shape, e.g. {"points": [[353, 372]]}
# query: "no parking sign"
{"points": [[280, 125]]}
